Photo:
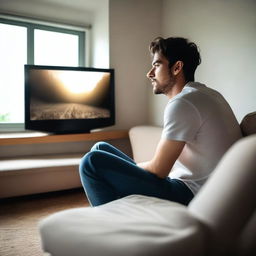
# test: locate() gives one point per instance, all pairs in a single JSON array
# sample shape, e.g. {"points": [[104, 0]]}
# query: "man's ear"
{"points": [[177, 67]]}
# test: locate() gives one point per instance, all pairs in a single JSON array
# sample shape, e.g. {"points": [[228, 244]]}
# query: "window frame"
{"points": [[31, 25]]}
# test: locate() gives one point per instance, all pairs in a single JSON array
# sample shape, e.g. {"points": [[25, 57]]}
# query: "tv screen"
{"points": [[68, 99]]}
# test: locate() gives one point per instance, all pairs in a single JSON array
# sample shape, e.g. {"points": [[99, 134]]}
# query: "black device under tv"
{"points": [[64, 100]]}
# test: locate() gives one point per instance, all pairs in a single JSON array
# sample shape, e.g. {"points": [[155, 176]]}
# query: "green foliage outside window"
{"points": [[5, 117]]}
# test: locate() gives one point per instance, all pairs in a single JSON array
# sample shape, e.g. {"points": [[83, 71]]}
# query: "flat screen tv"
{"points": [[68, 99]]}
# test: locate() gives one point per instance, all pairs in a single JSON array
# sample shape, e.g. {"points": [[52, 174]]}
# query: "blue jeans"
{"points": [[108, 174]]}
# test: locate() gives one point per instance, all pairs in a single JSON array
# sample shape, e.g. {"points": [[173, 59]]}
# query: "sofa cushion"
{"points": [[135, 225]]}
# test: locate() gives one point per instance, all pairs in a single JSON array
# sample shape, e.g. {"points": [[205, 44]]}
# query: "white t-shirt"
{"points": [[202, 118]]}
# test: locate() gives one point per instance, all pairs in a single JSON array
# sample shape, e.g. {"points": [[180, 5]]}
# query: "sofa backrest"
{"points": [[248, 124], [144, 140]]}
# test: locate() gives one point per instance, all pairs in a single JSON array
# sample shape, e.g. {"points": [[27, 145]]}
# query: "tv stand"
{"points": [[35, 137], [23, 173]]}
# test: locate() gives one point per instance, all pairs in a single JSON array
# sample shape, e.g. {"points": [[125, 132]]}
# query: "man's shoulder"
{"points": [[181, 107], [190, 90], [198, 95]]}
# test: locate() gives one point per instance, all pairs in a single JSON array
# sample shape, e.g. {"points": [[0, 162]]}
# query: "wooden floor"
{"points": [[19, 218]]}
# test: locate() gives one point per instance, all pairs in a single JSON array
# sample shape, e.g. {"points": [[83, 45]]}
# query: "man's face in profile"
{"points": [[160, 75]]}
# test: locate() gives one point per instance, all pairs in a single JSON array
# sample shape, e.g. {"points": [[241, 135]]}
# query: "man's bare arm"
{"points": [[167, 152]]}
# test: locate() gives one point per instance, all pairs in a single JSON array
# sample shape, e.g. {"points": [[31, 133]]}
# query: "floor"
{"points": [[19, 218]]}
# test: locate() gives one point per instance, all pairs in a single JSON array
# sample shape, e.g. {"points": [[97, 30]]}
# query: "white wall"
{"points": [[133, 25], [100, 36], [226, 34]]}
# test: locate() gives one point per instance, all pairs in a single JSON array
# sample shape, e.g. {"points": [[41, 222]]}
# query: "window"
{"points": [[23, 42], [13, 57]]}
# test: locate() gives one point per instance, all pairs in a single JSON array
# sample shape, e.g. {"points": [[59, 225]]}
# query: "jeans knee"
{"points": [[101, 145], [83, 166], [87, 163]]}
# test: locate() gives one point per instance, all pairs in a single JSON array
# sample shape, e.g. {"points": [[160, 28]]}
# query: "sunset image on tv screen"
{"points": [[68, 94]]}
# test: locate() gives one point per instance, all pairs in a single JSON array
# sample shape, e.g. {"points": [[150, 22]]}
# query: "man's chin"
{"points": [[157, 91]]}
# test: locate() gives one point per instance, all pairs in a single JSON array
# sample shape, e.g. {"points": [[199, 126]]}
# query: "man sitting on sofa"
{"points": [[199, 127]]}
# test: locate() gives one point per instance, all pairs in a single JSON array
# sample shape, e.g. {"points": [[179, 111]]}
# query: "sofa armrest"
{"points": [[226, 202], [144, 140]]}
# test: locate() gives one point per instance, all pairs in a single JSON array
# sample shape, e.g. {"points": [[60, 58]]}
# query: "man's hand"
{"points": [[167, 152]]}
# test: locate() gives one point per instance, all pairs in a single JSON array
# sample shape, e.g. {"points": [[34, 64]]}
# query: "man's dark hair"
{"points": [[178, 49]]}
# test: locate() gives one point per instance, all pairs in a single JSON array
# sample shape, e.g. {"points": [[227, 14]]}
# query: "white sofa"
{"points": [[220, 220]]}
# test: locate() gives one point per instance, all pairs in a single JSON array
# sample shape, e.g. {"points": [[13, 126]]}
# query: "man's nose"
{"points": [[150, 73]]}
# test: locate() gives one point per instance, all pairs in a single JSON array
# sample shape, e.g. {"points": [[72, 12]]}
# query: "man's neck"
{"points": [[176, 89]]}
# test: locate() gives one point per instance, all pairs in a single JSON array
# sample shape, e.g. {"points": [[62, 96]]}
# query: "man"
{"points": [[199, 127]]}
